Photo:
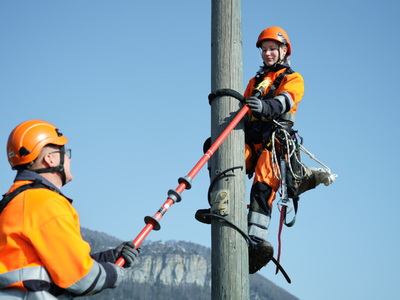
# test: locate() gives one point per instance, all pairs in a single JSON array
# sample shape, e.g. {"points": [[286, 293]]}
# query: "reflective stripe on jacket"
{"points": [[41, 248]]}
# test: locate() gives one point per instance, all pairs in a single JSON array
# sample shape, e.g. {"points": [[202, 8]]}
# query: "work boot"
{"points": [[200, 216], [259, 256]]}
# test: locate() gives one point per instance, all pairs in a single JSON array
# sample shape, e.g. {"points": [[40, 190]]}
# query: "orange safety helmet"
{"points": [[274, 33], [28, 139]]}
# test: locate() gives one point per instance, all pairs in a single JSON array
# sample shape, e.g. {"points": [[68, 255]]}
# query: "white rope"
{"points": [[274, 159], [322, 175], [290, 144]]}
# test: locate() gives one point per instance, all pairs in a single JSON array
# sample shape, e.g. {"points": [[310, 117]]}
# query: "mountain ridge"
{"points": [[173, 269]]}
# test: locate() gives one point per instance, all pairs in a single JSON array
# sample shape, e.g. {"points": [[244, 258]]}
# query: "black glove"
{"points": [[128, 252], [255, 104]]}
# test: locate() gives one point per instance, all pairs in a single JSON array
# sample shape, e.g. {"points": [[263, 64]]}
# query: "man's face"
{"points": [[67, 168]]}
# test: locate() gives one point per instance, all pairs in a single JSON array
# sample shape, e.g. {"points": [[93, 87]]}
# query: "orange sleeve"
{"points": [[249, 88], [294, 85]]}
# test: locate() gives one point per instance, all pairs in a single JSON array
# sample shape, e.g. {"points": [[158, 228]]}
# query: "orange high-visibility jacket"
{"points": [[41, 248], [290, 91], [291, 87]]}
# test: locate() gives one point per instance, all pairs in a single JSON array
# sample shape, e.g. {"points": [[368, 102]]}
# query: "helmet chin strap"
{"points": [[281, 60], [59, 168]]}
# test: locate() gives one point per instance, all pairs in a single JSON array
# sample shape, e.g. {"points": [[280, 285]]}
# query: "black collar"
{"points": [[31, 176]]}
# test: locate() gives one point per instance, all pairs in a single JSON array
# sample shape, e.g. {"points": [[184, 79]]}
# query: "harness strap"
{"points": [[277, 82], [7, 198], [296, 206]]}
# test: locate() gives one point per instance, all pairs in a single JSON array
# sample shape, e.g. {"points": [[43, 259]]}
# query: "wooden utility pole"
{"points": [[230, 267]]}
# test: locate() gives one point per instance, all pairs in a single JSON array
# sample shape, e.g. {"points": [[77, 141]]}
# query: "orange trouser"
{"points": [[263, 191], [263, 171]]}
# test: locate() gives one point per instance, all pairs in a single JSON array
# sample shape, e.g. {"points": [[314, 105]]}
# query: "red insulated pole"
{"points": [[152, 221]]}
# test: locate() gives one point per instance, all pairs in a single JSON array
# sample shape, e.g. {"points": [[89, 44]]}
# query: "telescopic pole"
{"points": [[185, 183]]}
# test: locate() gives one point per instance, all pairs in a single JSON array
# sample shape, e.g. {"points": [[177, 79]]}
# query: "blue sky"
{"points": [[127, 83]]}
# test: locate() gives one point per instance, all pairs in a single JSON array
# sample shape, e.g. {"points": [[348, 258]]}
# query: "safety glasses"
{"points": [[67, 152]]}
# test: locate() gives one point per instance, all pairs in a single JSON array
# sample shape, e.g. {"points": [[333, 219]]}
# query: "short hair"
{"points": [[33, 164]]}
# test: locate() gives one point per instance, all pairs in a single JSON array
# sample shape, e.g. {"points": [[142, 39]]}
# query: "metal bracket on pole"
{"points": [[220, 202]]}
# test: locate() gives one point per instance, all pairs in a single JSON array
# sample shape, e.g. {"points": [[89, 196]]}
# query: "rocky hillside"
{"points": [[172, 270]]}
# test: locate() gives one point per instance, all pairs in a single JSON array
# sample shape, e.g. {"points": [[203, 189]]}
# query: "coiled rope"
{"points": [[322, 175]]}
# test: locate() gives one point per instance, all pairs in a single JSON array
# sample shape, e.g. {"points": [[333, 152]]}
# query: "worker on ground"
{"points": [[278, 102], [42, 253]]}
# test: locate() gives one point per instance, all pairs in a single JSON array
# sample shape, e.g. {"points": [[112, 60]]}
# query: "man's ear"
{"points": [[49, 160]]}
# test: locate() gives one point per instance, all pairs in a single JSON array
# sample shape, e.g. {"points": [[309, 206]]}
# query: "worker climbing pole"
{"points": [[236, 249]]}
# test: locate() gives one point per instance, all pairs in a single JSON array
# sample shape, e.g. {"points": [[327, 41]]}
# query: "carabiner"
{"points": [[287, 203]]}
